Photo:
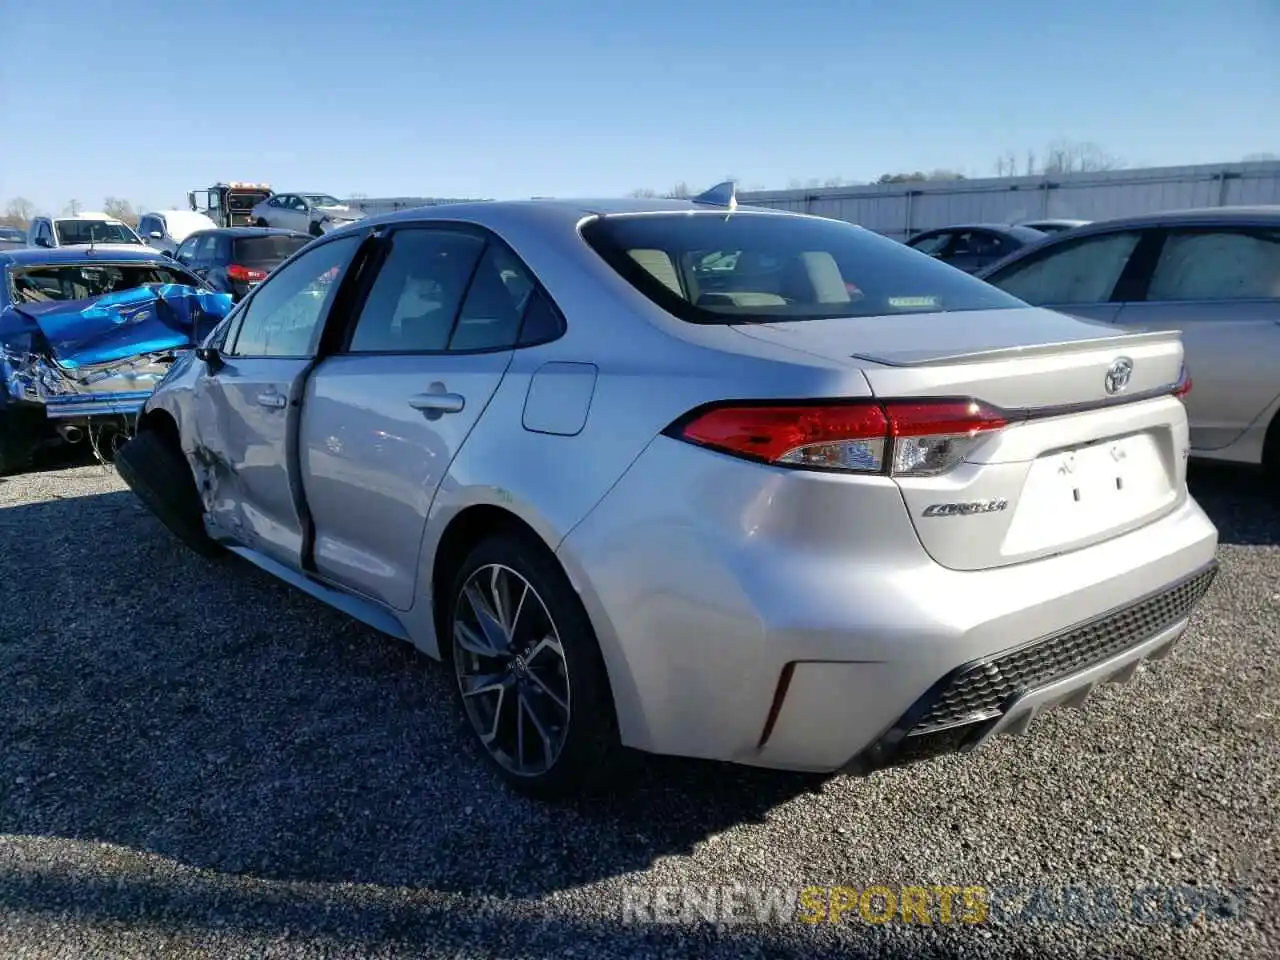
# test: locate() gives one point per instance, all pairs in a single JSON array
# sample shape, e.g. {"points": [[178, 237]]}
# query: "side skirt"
{"points": [[366, 611]]}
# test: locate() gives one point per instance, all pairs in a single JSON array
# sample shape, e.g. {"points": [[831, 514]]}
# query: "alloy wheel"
{"points": [[511, 670]]}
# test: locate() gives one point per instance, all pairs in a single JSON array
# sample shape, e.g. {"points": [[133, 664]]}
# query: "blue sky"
{"points": [[510, 98]]}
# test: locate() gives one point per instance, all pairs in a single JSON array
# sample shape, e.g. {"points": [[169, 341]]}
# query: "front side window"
{"points": [[322, 200], [1085, 271], [1217, 265], [284, 316], [784, 268]]}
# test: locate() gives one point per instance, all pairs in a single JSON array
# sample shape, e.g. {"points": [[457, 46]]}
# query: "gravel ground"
{"points": [[200, 762]]}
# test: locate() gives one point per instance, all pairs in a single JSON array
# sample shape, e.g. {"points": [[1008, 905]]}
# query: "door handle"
{"points": [[276, 400], [438, 402]]}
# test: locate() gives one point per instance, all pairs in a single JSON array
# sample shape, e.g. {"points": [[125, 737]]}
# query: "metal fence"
{"points": [[902, 210], [379, 205]]}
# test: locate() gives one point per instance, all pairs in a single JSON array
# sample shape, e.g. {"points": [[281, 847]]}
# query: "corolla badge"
{"points": [[965, 508], [1118, 374]]}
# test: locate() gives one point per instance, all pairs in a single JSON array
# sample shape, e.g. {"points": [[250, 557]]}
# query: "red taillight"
{"points": [[902, 437], [1183, 386], [247, 274]]}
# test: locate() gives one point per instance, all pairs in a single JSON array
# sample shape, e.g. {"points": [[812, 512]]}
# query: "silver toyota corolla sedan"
{"points": [[691, 478]]}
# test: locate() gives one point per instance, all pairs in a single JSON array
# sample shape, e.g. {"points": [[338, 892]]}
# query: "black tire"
{"points": [[156, 471], [1271, 457], [591, 757], [262, 223], [19, 439], [315, 229]]}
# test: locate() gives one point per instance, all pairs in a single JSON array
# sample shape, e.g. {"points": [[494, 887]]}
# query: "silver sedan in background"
{"points": [[313, 213], [1213, 274], [691, 478]]}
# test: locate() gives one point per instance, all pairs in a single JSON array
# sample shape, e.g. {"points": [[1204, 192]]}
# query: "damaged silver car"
{"points": [[85, 337]]}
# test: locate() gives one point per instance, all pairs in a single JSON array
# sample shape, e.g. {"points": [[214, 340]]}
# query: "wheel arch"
{"points": [[476, 521], [164, 423]]}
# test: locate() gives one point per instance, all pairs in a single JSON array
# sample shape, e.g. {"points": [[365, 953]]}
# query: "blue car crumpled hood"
{"points": [[142, 320], [105, 355]]}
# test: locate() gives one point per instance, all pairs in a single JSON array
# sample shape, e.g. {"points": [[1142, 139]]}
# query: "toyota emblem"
{"points": [[1118, 375]]}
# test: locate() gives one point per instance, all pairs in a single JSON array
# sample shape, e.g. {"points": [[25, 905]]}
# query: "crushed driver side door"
{"points": [[247, 403]]}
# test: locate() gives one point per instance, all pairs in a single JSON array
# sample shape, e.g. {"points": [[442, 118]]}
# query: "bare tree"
{"points": [[72, 207], [919, 176], [120, 210], [1068, 156], [643, 192], [1264, 157], [1007, 164], [680, 191], [18, 212]]}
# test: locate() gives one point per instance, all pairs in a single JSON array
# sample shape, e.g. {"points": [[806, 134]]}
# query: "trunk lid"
{"points": [[1080, 461]]}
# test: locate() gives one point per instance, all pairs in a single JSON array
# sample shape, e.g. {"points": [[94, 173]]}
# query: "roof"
{"points": [[250, 232], [1265, 213], [1011, 229], [83, 254], [174, 212], [547, 211]]}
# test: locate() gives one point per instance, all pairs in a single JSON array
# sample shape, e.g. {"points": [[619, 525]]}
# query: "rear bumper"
{"points": [[1003, 694], [82, 405], [782, 619]]}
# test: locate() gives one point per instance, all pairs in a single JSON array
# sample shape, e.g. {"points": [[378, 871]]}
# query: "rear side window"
{"points": [[451, 291], [417, 292], [1217, 265], [267, 250], [1086, 271], [744, 267]]}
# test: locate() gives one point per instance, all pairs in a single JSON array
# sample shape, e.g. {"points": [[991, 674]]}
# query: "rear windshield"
{"points": [[83, 281], [759, 268], [272, 250], [245, 199], [12, 233], [71, 232]]}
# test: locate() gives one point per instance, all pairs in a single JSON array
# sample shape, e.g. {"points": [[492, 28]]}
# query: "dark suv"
{"points": [[234, 260]]}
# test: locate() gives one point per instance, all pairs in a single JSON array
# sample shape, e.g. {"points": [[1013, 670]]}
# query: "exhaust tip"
{"points": [[71, 433]]}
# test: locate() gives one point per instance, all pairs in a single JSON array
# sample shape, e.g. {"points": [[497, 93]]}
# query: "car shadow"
{"points": [[210, 714], [375, 921], [1240, 501]]}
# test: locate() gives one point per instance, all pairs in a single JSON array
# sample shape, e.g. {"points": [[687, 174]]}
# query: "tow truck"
{"points": [[229, 204]]}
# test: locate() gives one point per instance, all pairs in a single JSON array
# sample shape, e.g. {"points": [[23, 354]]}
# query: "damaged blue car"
{"points": [[85, 336]]}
